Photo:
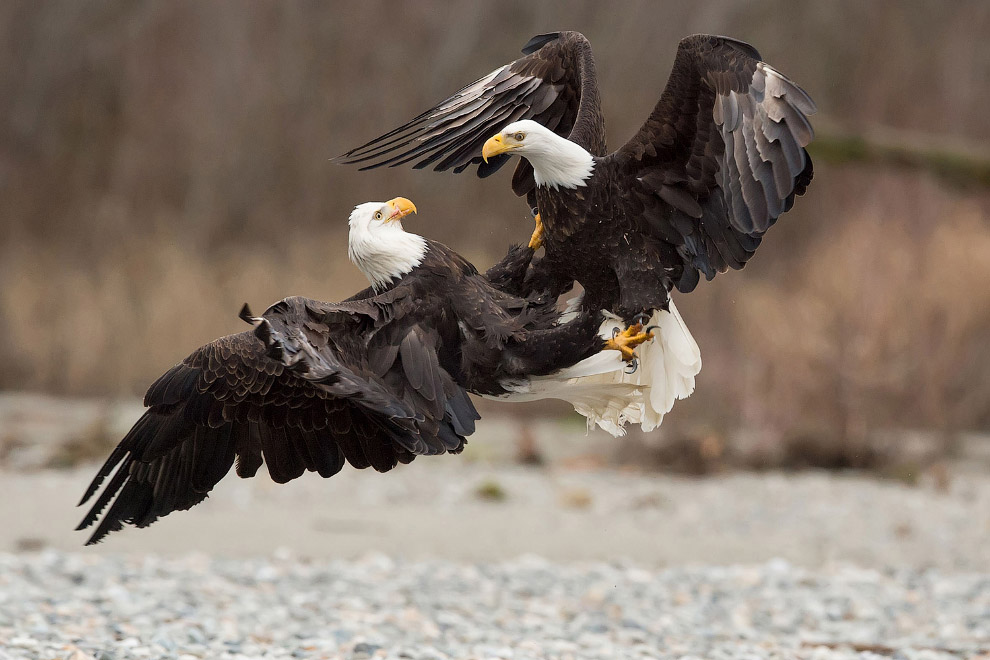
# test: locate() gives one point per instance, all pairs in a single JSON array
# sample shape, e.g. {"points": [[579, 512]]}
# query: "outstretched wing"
{"points": [[240, 399], [398, 354], [554, 84], [724, 149]]}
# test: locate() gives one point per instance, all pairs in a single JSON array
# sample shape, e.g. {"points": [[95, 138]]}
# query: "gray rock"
{"points": [[364, 650]]}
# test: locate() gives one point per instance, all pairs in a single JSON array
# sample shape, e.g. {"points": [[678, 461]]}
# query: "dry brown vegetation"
{"points": [[878, 324], [162, 163]]}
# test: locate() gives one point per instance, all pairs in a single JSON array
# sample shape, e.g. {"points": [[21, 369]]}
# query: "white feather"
{"points": [[469, 93], [600, 389], [381, 248], [557, 162]]}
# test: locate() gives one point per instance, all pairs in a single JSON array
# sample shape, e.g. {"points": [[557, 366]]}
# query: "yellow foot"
{"points": [[536, 240], [626, 341]]}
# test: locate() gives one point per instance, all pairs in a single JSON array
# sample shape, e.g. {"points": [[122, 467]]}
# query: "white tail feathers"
{"points": [[600, 389]]}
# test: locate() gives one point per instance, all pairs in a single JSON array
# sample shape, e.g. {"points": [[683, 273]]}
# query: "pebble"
{"points": [[73, 605]]}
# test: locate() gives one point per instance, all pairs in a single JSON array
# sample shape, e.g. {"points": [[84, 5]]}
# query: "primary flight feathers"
{"points": [[383, 377], [692, 192], [372, 381]]}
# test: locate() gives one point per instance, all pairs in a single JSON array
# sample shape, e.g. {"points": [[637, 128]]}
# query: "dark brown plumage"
{"points": [[374, 381], [554, 85], [719, 159]]}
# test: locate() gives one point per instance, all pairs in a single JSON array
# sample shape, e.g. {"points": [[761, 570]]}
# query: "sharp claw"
{"points": [[641, 318], [625, 342], [650, 329], [633, 365]]}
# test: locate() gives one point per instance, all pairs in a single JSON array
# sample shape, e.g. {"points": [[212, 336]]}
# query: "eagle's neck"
{"points": [[560, 163], [385, 253]]}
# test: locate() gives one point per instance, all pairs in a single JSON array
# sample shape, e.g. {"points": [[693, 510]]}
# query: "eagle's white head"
{"points": [[379, 246], [557, 162]]}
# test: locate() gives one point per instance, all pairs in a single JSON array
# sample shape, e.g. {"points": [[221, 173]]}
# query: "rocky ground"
{"points": [[447, 559], [471, 557], [77, 606]]}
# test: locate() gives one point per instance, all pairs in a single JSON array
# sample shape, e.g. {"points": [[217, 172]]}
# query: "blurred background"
{"points": [[162, 163]]}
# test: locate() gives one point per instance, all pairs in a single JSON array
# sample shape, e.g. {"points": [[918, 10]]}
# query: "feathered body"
{"points": [[373, 381], [719, 159]]}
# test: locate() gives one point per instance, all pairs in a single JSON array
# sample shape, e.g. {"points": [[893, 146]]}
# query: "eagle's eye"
{"points": [[378, 215], [518, 137]]}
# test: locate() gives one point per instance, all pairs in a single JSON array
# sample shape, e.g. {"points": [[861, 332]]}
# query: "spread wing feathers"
{"points": [[400, 372], [296, 400], [553, 84], [364, 307], [724, 148]]}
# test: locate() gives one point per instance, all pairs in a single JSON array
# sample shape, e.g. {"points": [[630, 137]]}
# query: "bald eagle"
{"points": [[374, 381], [719, 159]]}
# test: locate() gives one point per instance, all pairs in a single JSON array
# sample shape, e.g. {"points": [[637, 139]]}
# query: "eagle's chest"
{"points": [[574, 218]]}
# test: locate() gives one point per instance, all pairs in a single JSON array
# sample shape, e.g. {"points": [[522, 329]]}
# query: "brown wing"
{"points": [[509, 274], [232, 400], [724, 147], [554, 84], [399, 354]]}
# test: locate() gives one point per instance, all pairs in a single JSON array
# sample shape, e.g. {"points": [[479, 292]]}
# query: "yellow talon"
{"points": [[536, 240], [626, 341]]}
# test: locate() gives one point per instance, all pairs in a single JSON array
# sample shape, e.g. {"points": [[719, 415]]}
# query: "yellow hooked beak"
{"points": [[496, 145], [401, 207]]}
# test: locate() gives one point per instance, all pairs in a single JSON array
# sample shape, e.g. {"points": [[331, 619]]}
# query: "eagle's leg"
{"points": [[627, 340], [643, 291], [546, 350], [536, 240]]}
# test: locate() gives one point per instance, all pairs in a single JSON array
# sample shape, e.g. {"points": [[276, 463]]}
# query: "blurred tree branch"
{"points": [[957, 163]]}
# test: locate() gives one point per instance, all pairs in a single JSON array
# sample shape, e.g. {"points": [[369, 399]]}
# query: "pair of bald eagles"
{"points": [[383, 377]]}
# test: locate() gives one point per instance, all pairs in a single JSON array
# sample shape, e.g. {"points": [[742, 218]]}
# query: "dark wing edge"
{"points": [[553, 84], [401, 377], [231, 400], [203, 414], [725, 147]]}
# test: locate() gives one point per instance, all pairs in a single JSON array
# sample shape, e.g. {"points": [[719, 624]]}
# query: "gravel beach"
{"points": [[69, 605], [415, 564], [468, 557]]}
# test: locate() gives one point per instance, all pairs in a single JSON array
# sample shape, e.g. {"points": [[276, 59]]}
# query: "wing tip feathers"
{"points": [[539, 41]]}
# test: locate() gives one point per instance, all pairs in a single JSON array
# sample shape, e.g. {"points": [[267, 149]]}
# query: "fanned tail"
{"points": [[669, 364], [600, 388]]}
